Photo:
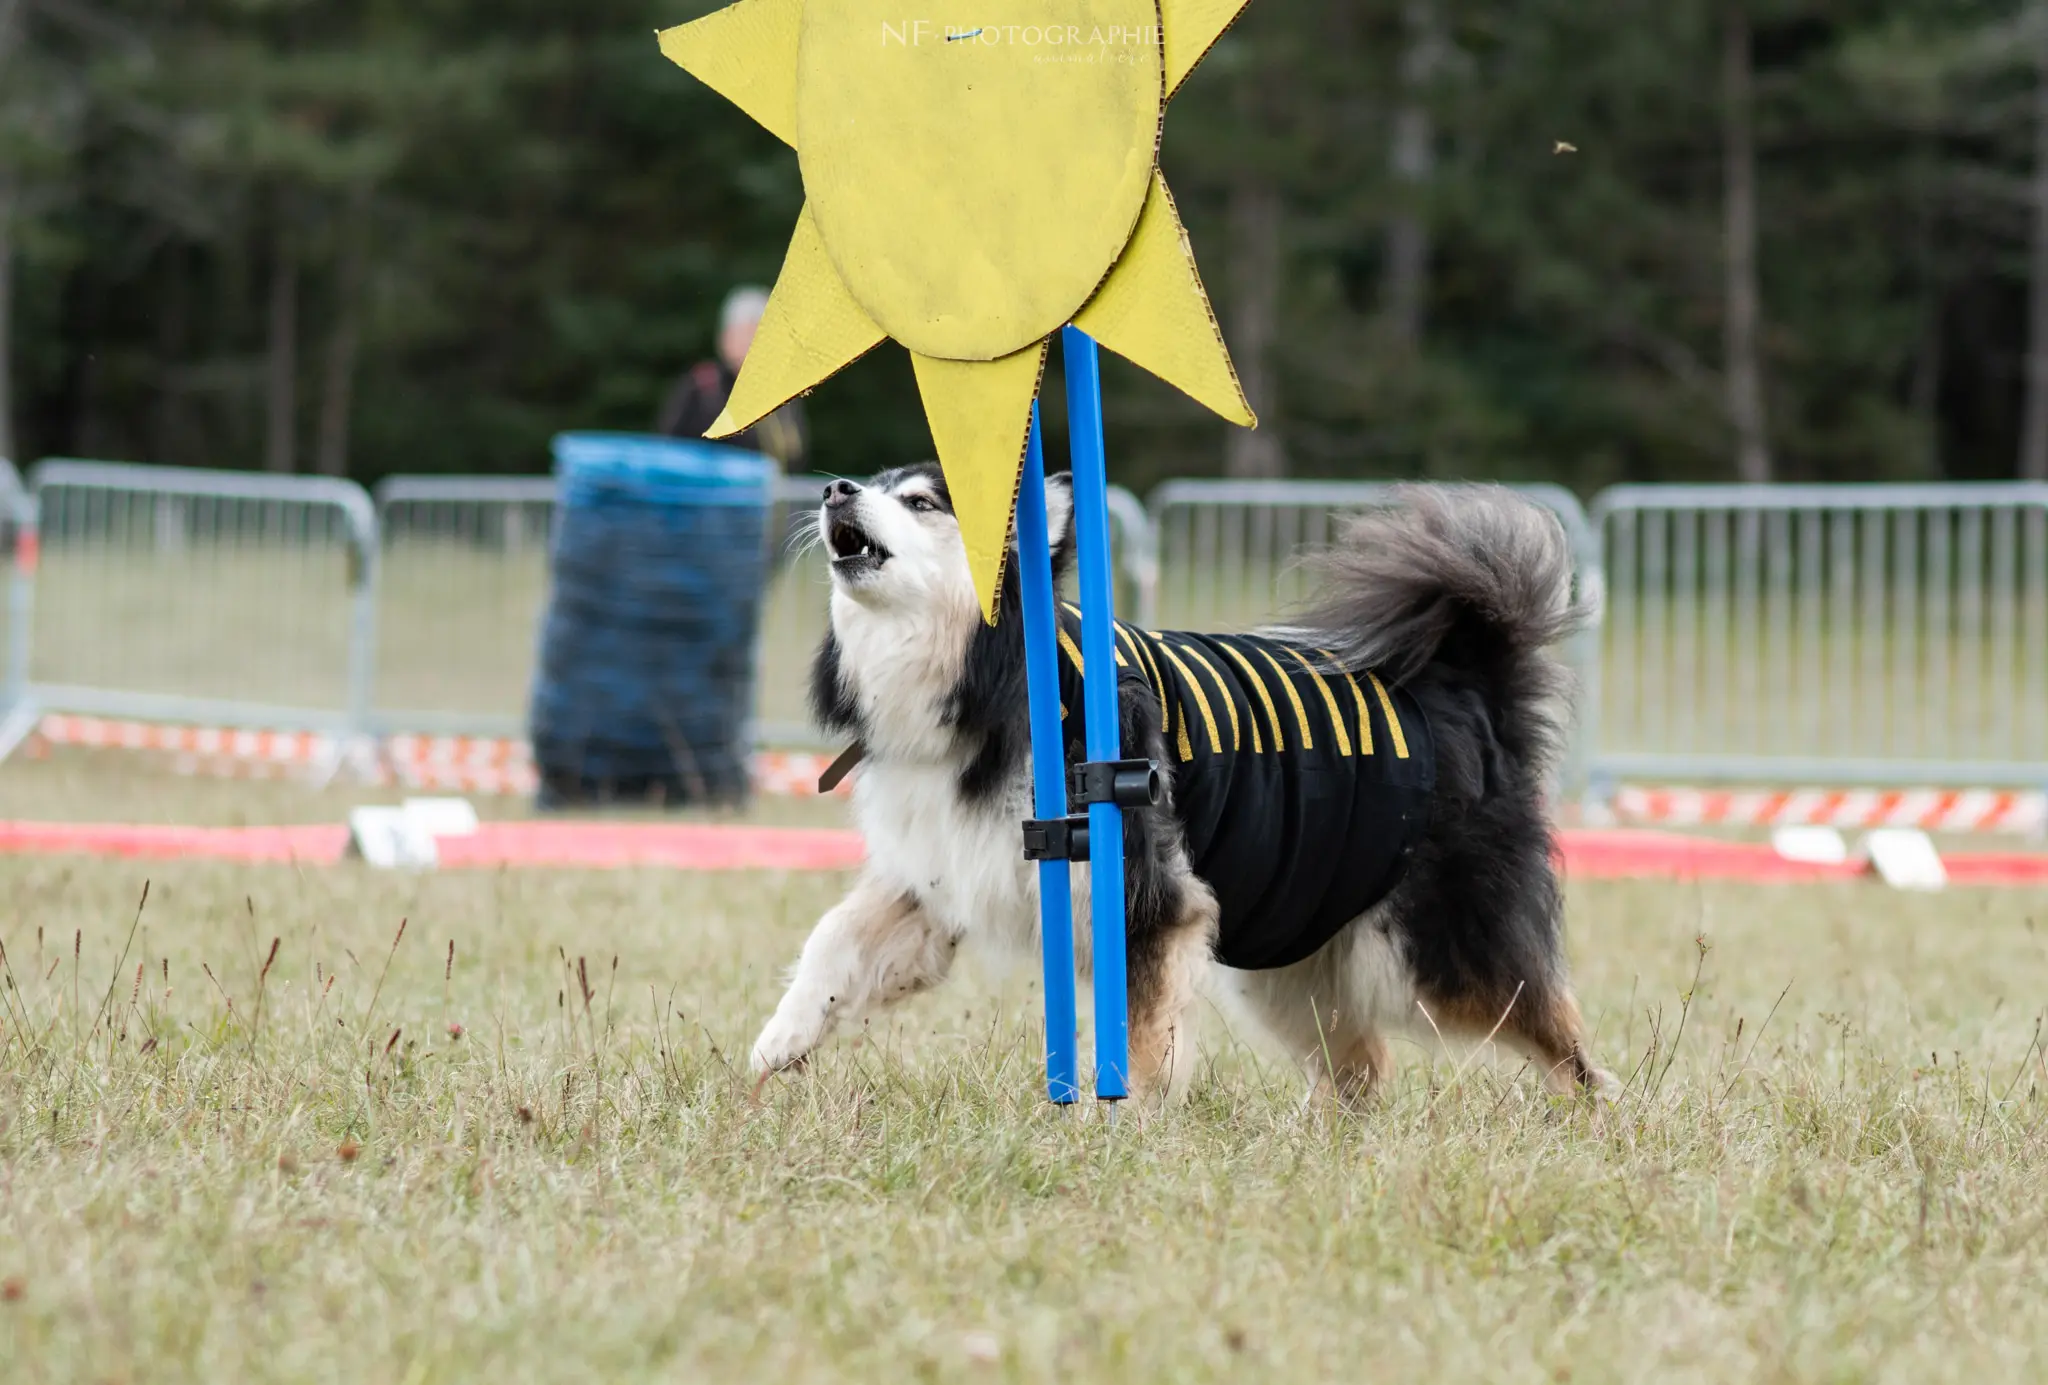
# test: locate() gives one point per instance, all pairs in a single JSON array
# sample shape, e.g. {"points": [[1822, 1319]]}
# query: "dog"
{"points": [[1352, 843]]}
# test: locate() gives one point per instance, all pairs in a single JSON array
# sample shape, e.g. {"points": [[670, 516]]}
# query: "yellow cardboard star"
{"points": [[972, 188]]}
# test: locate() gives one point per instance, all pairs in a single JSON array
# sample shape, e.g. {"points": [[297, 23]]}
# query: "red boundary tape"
{"points": [[311, 845], [575, 845], [1587, 854]]}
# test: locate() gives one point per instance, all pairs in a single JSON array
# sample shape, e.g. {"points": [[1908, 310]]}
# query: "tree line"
{"points": [[1584, 240]]}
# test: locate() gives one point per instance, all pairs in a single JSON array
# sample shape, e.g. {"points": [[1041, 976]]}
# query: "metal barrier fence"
{"points": [[17, 571], [226, 597], [1832, 634], [1229, 552], [1839, 634], [1229, 557], [464, 583]]}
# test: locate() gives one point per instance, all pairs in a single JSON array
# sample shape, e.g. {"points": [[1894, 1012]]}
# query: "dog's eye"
{"points": [[922, 504]]}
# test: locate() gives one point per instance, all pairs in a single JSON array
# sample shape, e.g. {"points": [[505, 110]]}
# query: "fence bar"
{"points": [[1840, 634], [2034, 628], [1971, 646], [18, 557], [18, 547], [1654, 616]]}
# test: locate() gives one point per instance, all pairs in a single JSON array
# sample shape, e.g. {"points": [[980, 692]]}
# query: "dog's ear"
{"points": [[1059, 520]]}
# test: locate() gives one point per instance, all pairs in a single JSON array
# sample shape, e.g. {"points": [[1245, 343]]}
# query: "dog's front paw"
{"points": [[783, 1045]]}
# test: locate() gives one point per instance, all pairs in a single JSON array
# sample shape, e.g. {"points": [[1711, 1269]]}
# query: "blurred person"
{"points": [[695, 400]]}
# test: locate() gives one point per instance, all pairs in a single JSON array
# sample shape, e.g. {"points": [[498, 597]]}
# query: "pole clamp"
{"points": [[1126, 783], [1056, 839]]}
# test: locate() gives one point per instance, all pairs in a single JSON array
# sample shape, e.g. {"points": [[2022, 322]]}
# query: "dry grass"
{"points": [[293, 1167]]}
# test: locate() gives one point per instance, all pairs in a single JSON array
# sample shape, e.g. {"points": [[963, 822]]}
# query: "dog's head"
{"points": [[894, 544], [907, 640]]}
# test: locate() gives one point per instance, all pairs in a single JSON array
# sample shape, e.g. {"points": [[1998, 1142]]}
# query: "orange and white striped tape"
{"points": [[1930, 810], [461, 764], [443, 764], [503, 765], [300, 748]]}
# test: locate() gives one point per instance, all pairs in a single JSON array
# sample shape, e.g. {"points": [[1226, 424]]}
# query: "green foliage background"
{"points": [[544, 214]]}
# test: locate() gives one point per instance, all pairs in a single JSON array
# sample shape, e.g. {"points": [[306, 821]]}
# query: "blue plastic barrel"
{"points": [[646, 675]]}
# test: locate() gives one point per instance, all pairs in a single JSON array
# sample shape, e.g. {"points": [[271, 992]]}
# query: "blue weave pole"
{"points": [[1105, 741], [1048, 771]]}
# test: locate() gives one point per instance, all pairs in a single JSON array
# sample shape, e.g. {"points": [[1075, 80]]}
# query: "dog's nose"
{"points": [[840, 493]]}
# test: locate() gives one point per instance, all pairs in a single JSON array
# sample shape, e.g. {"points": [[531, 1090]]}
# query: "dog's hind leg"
{"points": [[1328, 1014], [1166, 963], [1548, 1028], [1541, 1021], [871, 949]]}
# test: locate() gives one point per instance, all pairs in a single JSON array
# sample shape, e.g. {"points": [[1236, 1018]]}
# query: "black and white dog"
{"points": [[1353, 842]]}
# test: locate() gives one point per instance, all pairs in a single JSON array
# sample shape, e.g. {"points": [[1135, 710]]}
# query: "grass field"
{"points": [[355, 1159]]}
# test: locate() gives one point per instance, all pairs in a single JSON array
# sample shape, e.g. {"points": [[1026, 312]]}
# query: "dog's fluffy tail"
{"points": [[1461, 586]]}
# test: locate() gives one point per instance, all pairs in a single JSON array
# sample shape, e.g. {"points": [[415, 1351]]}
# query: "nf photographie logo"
{"points": [[916, 33]]}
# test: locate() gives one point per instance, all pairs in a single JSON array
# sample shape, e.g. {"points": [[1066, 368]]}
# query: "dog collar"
{"points": [[841, 767]]}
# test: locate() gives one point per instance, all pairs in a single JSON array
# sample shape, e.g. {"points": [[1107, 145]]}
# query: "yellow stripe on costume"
{"points": [[1308, 741], [1073, 653], [1187, 750], [1138, 652], [1393, 721], [1167, 705], [1067, 640], [1258, 738], [1330, 701], [1229, 702], [1201, 698], [1137, 660], [1170, 708], [1272, 712], [1364, 712]]}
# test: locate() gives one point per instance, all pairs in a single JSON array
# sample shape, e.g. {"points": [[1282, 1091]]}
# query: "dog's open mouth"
{"points": [[854, 550]]}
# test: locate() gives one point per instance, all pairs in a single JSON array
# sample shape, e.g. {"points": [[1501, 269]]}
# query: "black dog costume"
{"points": [[1301, 787]]}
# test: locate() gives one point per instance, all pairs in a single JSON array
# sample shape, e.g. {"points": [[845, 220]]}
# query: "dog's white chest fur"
{"points": [[965, 864]]}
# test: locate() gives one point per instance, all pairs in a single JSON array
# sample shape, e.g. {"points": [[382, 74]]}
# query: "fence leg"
{"points": [[1105, 740], [17, 703], [366, 559], [1582, 778], [1048, 771]]}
